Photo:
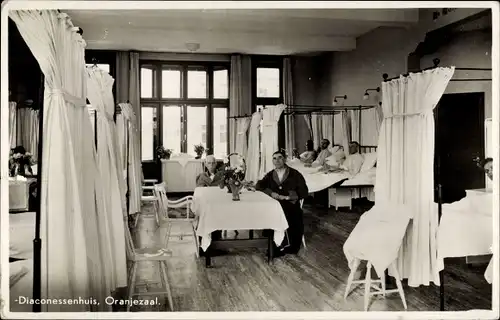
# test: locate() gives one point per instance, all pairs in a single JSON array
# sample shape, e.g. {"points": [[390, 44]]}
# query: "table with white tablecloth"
{"points": [[255, 211], [19, 193]]}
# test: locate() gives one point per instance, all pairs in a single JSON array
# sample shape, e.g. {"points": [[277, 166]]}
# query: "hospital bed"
{"points": [[465, 228]]}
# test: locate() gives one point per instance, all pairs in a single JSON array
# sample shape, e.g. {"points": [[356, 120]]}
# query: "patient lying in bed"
{"points": [[352, 163]]}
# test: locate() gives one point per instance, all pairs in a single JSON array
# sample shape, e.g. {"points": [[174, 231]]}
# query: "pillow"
{"points": [[17, 270], [339, 155], [332, 161], [369, 161]]}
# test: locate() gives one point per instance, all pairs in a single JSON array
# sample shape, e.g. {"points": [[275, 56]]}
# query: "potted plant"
{"points": [[163, 153], [199, 149]]}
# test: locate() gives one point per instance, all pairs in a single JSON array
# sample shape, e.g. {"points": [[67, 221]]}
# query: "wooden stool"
{"points": [[368, 283]]}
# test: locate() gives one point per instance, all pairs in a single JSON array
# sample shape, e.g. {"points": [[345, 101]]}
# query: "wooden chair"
{"points": [[135, 256], [190, 220], [303, 237], [368, 282]]}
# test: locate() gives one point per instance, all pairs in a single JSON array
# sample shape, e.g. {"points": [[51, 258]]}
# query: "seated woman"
{"points": [[309, 155], [211, 177], [288, 186]]}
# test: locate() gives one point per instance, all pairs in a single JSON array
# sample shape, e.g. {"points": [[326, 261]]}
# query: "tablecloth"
{"points": [[255, 211]]}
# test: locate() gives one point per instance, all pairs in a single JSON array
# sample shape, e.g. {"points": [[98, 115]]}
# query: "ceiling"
{"points": [[255, 31]]}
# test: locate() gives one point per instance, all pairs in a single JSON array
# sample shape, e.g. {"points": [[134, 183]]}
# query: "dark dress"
{"points": [[294, 186]]}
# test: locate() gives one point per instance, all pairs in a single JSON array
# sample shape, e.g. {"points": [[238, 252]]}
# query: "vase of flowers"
{"points": [[20, 162], [234, 176], [163, 153], [199, 149]]}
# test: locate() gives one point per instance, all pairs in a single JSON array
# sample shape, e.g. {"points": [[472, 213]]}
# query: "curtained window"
{"points": [[184, 104]]}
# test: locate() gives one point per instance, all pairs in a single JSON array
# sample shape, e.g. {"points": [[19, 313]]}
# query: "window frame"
{"points": [[184, 66], [266, 62]]}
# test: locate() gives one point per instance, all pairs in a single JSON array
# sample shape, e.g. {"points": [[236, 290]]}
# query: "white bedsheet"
{"points": [[22, 286], [363, 178], [488, 274], [377, 236], [316, 180], [21, 235], [465, 228]]}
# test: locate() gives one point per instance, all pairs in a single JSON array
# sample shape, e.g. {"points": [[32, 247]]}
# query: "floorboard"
{"points": [[314, 280]]}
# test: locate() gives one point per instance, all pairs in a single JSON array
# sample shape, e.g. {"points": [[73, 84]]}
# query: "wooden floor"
{"points": [[312, 281]]}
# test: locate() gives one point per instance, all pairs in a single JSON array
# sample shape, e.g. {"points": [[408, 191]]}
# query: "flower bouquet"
{"points": [[199, 149], [234, 176], [163, 153]]}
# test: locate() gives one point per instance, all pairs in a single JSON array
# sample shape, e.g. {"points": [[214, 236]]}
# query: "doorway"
{"points": [[459, 139]]}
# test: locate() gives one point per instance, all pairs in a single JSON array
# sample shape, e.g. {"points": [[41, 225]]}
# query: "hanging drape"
{"points": [[370, 126], [316, 129], [134, 93], [253, 151], [27, 130], [242, 125], [240, 94], [112, 202], [134, 166], [122, 138], [271, 116], [12, 124], [346, 131], [308, 124], [337, 129], [354, 124], [71, 257], [405, 166], [288, 100], [327, 127]]}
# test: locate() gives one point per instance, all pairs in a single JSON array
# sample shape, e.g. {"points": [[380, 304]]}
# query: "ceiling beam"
{"points": [[210, 42]]}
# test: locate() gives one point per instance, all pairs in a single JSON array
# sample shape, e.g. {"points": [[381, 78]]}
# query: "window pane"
{"points": [[146, 83], [172, 137], [220, 132], [171, 83], [196, 128], [221, 86], [147, 133], [197, 84], [268, 82], [102, 66]]}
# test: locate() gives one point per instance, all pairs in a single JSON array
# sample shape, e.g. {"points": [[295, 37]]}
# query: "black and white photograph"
{"points": [[302, 159]]}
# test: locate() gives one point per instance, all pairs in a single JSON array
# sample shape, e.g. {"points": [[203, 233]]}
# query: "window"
{"points": [[220, 132], [191, 100], [268, 82], [148, 124]]}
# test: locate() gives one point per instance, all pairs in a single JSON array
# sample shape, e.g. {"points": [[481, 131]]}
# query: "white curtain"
{"points": [[133, 151], [112, 200], [354, 119], [271, 116], [71, 257], [12, 124], [240, 97], [288, 100], [337, 129], [316, 129], [405, 166], [370, 126], [242, 125], [122, 139], [308, 124], [27, 129], [346, 131], [327, 127], [253, 151]]}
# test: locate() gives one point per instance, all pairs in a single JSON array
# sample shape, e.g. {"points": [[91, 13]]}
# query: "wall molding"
{"points": [[171, 56]]}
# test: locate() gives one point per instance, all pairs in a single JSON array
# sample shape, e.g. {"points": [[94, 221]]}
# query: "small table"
{"points": [[255, 211]]}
